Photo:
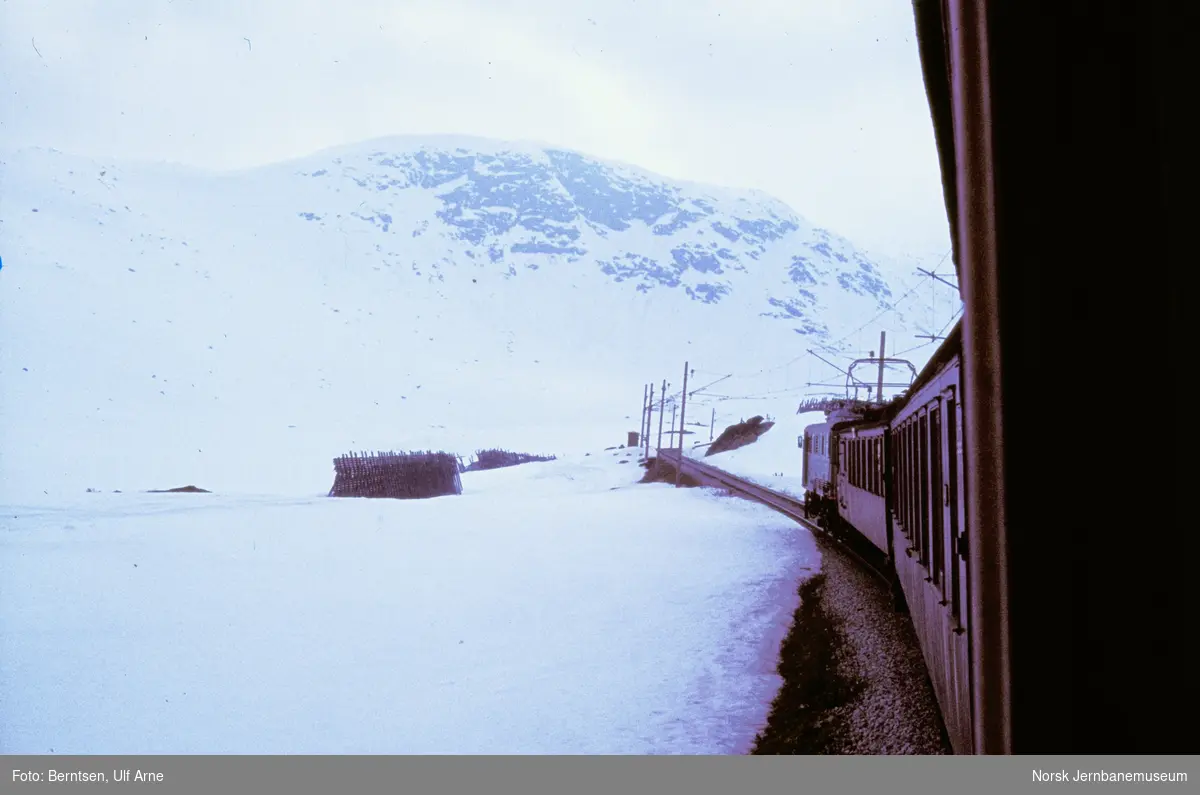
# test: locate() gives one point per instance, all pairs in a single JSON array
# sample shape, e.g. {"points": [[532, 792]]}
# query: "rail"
{"points": [[786, 504]]}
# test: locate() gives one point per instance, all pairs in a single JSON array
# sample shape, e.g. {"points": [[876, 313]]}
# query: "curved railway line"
{"points": [[792, 507]]}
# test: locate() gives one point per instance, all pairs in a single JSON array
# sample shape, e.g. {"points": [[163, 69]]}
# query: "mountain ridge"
{"points": [[441, 299]]}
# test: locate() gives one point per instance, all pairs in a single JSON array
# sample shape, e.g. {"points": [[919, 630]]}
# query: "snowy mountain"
{"points": [[163, 324]]}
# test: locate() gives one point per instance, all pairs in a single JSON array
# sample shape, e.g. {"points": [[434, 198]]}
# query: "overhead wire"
{"points": [[892, 307]]}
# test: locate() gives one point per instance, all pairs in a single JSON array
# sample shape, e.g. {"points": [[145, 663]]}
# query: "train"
{"points": [[1077, 595], [891, 475]]}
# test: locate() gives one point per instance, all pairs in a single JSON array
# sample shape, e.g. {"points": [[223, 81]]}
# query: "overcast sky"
{"points": [[818, 102]]}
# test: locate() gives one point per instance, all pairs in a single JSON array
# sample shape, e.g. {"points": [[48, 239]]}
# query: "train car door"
{"points": [[805, 443]]}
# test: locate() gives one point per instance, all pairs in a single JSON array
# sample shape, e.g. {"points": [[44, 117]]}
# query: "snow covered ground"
{"points": [[775, 460], [552, 608]]}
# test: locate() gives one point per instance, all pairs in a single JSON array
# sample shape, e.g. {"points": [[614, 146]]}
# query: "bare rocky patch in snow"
{"points": [[739, 435]]}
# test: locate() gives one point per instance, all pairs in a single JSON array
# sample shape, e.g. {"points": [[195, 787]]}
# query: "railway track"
{"points": [[857, 548]]}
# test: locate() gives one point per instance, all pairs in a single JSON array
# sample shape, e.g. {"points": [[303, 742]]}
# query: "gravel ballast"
{"points": [[854, 678]]}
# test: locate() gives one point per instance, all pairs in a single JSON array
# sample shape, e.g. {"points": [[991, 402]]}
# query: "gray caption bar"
{"points": [[299, 775]]}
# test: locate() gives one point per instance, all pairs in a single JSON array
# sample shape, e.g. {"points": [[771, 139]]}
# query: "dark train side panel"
{"points": [[929, 535]]}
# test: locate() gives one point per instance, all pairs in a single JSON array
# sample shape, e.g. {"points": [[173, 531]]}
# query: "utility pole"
{"points": [[642, 424], [882, 342], [649, 422], [674, 406], [662, 405], [682, 415]]}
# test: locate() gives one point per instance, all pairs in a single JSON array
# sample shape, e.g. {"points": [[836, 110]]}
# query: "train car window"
{"points": [[907, 482], [877, 466], [937, 556], [910, 462], [880, 459], [952, 486], [901, 479], [871, 484], [856, 456], [883, 465], [874, 448], [870, 464], [923, 496], [858, 462], [918, 488], [884, 447], [850, 461]]}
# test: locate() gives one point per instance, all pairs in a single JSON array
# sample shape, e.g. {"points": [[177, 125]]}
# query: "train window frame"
{"points": [[901, 483], [880, 457], [954, 491], [923, 477], [871, 464], [857, 470], [858, 462], [898, 476], [877, 465], [907, 479], [846, 453], [861, 484], [850, 461], [911, 464], [854, 462], [937, 515]]}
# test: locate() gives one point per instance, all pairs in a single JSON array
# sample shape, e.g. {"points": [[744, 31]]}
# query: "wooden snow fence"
{"points": [[495, 459], [399, 476]]}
